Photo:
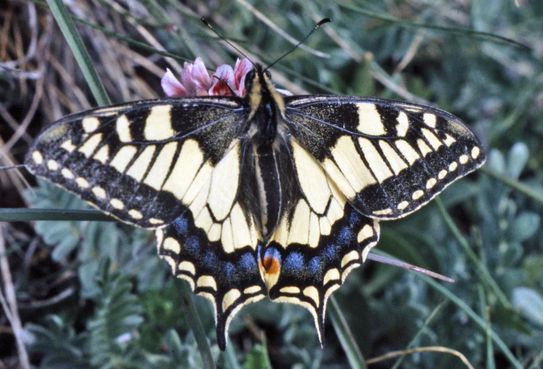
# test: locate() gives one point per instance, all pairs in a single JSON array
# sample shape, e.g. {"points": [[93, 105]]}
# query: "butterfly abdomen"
{"points": [[268, 180]]}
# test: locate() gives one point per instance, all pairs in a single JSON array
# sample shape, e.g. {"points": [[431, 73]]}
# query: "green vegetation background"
{"points": [[94, 294]]}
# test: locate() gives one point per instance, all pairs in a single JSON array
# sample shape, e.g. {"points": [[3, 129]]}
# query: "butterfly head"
{"points": [[255, 76], [261, 91]]}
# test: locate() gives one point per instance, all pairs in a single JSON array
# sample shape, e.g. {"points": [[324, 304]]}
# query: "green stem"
{"points": [[356, 360], [514, 184], [476, 318], [28, 215], [195, 324], [481, 270], [64, 20], [422, 329]]}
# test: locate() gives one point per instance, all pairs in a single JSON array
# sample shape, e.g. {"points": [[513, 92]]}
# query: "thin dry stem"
{"points": [[411, 52], [9, 305], [440, 349]]}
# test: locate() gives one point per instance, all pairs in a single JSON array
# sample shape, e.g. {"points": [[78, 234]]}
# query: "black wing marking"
{"points": [[143, 161], [389, 158]]}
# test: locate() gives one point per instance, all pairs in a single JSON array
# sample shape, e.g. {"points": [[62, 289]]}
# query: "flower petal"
{"points": [[196, 78], [187, 80], [241, 69], [196, 81], [171, 85], [223, 81], [201, 77]]}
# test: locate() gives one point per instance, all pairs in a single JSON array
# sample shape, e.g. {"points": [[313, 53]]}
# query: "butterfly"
{"points": [[263, 195]]}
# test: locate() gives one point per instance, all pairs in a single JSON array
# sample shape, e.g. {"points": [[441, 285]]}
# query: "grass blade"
{"points": [[476, 318], [458, 30], [230, 357], [482, 271], [28, 215], [66, 24], [420, 332], [64, 20]]}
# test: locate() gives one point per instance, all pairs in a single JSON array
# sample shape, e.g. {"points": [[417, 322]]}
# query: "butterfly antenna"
{"points": [[404, 265], [219, 35], [317, 26]]}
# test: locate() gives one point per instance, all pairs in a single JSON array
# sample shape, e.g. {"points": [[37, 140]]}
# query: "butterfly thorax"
{"points": [[266, 106]]}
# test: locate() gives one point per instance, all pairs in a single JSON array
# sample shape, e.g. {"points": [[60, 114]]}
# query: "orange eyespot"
{"points": [[271, 265]]}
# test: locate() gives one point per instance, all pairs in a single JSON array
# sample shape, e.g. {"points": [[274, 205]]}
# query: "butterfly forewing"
{"points": [[145, 162], [388, 158]]}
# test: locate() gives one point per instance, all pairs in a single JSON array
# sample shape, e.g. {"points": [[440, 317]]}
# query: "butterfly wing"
{"points": [[388, 158], [174, 165], [143, 162], [320, 237], [229, 278]]}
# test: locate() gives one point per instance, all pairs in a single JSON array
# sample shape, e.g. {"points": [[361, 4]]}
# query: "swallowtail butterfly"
{"points": [[261, 195]]}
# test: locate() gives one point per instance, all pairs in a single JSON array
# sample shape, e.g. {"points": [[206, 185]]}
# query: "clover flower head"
{"points": [[196, 80]]}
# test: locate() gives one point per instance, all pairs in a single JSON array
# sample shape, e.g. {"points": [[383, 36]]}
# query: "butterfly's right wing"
{"points": [[145, 162], [176, 165]]}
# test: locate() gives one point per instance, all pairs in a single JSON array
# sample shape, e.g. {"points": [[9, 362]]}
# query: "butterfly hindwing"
{"points": [[227, 277], [388, 158], [320, 238], [309, 275], [142, 162]]}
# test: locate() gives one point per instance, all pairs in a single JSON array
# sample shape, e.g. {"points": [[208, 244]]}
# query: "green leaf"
{"points": [[60, 346], [525, 226], [257, 358], [113, 327], [517, 158], [529, 304]]}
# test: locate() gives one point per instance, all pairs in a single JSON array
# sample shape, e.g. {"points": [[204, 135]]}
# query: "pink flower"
{"points": [[196, 81]]}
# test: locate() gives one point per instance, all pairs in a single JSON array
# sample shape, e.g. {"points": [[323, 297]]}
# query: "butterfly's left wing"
{"points": [[388, 158], [228, 277]]}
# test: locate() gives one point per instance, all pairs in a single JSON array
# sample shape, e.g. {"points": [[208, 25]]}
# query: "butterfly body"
{"points": [[262, 195]]}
